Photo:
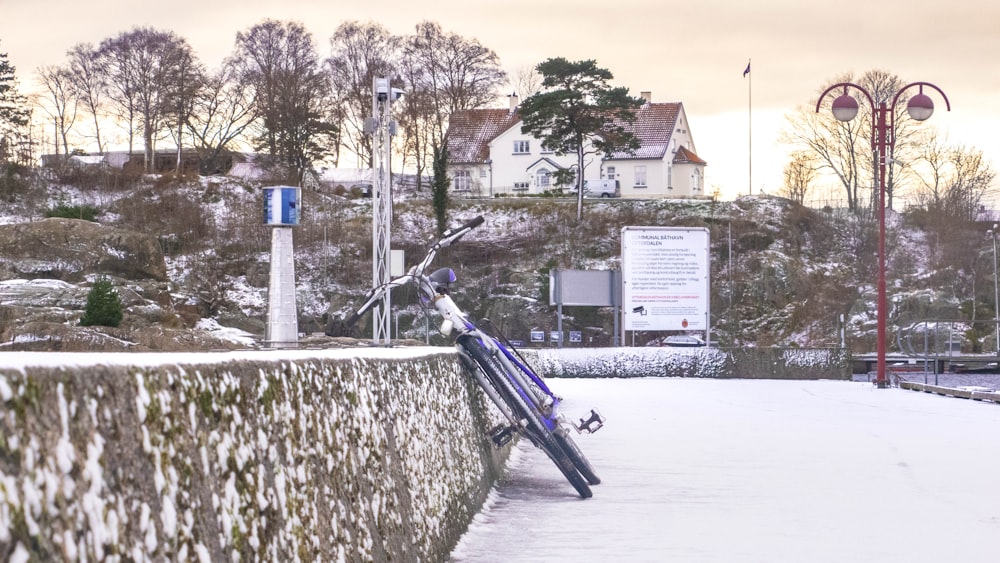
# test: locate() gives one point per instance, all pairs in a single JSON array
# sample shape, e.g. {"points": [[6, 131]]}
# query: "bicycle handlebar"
{"points": [[448, 238], [473, 223]]}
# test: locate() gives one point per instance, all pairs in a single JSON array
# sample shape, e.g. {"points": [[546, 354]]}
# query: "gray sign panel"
{"points": [[594, 288]]}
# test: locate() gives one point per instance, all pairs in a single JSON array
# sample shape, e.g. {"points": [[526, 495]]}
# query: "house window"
{"points": [[640, 176], [670, 177], [611, 172], [482, 172], [520, 186], [463, 181], [543, 178], [696, 181], [522, 147]]}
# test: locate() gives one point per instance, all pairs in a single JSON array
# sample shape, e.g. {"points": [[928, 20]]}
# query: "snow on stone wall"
{"points": [[761, 363], [301, 459]]}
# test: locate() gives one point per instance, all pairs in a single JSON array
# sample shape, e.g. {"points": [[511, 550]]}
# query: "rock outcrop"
{"points": [[72, 249]]}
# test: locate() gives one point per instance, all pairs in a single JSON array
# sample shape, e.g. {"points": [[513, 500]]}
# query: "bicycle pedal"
{"points": [[592, 423], [501, 435]]}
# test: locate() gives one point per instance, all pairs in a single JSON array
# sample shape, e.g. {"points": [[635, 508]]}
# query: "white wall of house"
{"points": [[652, 179], [688, 181], [518, 165]]}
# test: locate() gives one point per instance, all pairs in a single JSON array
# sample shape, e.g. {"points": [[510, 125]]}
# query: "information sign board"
{"points": [[665, 278]]}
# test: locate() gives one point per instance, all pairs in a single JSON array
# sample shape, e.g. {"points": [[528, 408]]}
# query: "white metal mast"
{"points": [[382, 128]]}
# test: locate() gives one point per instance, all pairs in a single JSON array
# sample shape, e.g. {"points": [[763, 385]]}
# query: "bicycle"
{"points": [[526, 402]]}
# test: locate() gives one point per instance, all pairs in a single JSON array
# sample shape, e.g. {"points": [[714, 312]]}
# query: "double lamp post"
{"points": [[883, 135]]}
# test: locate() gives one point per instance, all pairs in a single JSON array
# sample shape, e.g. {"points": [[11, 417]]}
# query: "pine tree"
{"points": [[12, 111], [578, 111], [104, 308]]}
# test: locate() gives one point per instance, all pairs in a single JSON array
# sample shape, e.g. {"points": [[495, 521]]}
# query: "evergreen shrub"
{"points": [[104, 308]]}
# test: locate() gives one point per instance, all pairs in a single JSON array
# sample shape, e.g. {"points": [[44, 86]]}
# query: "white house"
{"points": [[488, 154]]}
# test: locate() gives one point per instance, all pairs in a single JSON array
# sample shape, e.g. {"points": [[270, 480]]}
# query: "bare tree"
{"points": [[359, 54], [799, 174], [953, 179], [279, 61], [418, 118], [89, 84], [459, 73], [525, 82], [845, 148], [185, 82], [223, 110], [59, 103], [446, 73], [145, 68]]}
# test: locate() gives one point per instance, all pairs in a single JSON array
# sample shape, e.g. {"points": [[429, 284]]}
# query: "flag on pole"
{"points": [[747, 71]]}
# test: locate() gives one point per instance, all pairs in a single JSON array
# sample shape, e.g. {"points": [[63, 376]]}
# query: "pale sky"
{"points": [[692, 52]]}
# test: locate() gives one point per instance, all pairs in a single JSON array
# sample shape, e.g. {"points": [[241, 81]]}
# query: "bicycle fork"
{"points": [[500, 434]]}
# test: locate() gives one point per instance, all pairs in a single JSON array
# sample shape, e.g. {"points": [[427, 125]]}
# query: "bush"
{"points": [[13, 181], [85, 212], [104, 308]]}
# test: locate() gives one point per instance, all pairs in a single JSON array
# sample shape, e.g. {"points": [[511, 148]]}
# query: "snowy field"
{"points": [[732, 471]]}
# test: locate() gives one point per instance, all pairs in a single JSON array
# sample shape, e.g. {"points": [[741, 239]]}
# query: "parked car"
{"points": [[683, 340], [599, 188]]}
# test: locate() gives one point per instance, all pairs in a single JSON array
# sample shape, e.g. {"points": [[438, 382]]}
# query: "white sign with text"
{"points": [[665, 278]]}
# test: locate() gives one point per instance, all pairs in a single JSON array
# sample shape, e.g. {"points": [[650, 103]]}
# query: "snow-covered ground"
{"points": [[732, 471]]}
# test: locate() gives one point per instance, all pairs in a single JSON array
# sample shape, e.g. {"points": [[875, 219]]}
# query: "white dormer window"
{"points": [[522, 147]]}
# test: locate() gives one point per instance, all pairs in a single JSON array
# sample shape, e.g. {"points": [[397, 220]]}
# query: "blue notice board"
{"points": [[281, 206]]}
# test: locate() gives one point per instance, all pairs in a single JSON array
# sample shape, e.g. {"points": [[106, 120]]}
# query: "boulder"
{"points": [[72, 249]]}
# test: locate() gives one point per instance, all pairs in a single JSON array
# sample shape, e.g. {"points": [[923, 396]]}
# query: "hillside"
{"points": [[782, 274]]}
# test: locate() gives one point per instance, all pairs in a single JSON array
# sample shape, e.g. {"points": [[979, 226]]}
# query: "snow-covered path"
{"points": [[734, 471]]}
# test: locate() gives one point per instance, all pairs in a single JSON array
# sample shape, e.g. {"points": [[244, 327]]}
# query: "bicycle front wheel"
{"points": [[576, 456], [534, 428]]}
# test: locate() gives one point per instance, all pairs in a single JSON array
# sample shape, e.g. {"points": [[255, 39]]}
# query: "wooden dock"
{"points": [[974, 393]]}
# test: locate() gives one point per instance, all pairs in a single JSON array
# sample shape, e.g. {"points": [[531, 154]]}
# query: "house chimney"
{"points": [[513, 101], [647, 96]]}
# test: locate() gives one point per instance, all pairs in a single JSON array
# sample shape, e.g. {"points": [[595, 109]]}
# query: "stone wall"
{"points": [[370, 455]]}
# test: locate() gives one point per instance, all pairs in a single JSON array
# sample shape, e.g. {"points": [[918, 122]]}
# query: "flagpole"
{"points": [[750, 129]]}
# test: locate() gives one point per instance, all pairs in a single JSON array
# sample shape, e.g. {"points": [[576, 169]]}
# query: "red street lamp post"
{"points": [[844, 108]]}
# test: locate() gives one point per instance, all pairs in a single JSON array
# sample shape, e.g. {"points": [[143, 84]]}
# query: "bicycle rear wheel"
{"points": [[534, 428]]}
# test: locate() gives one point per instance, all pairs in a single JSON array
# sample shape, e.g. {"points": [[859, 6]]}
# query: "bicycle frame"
{"points": [[455, 320]]}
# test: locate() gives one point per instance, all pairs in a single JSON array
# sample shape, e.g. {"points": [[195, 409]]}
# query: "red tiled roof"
{"points": [[653, 126], [470, 132], [685, 156]]}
